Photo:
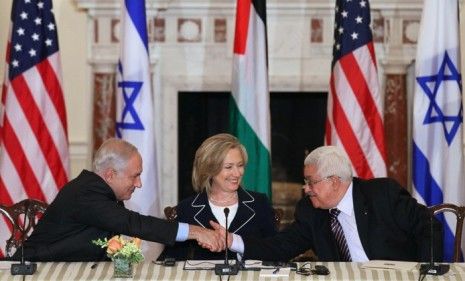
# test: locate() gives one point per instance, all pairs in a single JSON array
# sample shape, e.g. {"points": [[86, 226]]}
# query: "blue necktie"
{"points": [[339, 235]]}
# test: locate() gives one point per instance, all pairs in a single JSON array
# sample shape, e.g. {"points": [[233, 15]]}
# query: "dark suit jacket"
{"points": [[86, 209], [254, 217], [391, 225]]}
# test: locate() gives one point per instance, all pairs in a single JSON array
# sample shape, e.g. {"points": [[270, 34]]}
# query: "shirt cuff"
{"points": [[183, 232], [237, 244]]}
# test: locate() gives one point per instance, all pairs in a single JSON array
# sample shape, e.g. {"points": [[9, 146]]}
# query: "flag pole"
{"points": [[462, 56], [462, 61]]}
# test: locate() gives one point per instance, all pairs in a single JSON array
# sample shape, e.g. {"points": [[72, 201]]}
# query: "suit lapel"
{"points": [[202, 211], [361, 215], [245, 211]]}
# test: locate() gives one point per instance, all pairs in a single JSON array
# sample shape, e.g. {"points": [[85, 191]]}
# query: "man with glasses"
{"points": [[344, 218]]}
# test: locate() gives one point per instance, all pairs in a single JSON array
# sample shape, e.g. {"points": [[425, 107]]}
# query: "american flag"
{"points": [[34, 157], [354, 118]]}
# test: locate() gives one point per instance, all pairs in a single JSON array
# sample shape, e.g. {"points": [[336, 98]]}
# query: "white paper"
{"points": [[203, 264], [275, 272], [253, 264], [6, 265], [396, 265]]}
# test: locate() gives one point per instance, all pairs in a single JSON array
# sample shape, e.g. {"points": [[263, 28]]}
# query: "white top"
{"points": [[218, 212]]}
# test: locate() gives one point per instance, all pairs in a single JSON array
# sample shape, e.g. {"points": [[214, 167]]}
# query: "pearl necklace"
{"points": [[232, 198]]}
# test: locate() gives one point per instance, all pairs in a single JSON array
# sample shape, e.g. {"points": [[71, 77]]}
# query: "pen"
{"points": [[276, 270]]}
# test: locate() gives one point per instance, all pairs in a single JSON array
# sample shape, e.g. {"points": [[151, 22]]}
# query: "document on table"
{"points": [[6, 265], [210, 265], [203, 264], [396, 265], [275, 272]]}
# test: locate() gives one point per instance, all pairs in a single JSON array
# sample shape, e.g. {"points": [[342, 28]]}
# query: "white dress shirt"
{"points": [[347, 220]]}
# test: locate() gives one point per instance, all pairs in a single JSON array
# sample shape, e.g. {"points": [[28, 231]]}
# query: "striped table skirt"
{"points": [[49, 271]]}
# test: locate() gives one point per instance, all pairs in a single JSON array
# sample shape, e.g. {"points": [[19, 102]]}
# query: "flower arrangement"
{"points": [[119, 248]]}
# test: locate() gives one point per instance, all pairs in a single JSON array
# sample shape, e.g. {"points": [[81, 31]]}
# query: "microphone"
{"points": [[431, 268], [226, 213], [23, 268], [226, 268]]}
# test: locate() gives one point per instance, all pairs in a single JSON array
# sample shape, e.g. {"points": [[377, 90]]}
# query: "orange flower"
{"points": [[137, 242], [114, 245]]}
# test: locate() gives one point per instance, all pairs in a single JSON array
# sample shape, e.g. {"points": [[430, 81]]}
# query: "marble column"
{"points": [[104, 104], [401, 35], [395, 122]]}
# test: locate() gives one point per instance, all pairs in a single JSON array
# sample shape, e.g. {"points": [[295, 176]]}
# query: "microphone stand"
{"points": [[226, 268], [22, 268], [431, 268]]}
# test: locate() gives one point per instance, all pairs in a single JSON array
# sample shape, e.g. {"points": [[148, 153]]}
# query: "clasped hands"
{"points": [[213, 240]]}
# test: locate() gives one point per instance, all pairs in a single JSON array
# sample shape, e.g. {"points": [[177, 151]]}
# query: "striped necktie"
{"points": [[338, 233]]}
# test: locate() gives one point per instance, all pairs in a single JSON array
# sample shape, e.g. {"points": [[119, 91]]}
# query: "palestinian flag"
{"points": [[250, 101]]}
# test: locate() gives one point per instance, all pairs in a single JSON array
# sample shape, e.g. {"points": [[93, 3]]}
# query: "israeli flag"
{"points": [[134, 105], [438, 163]]}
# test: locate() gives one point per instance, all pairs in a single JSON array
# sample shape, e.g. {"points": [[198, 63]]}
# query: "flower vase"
{"points": [[122, 268]]}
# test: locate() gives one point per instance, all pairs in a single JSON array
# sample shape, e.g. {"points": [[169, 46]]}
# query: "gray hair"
{"points": [[330, 161], [113, 154]]}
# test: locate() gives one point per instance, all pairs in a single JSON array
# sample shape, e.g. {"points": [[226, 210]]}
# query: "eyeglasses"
{"points": [[312, 183]]}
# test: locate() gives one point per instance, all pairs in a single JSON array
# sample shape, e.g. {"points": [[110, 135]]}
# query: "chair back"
{"points": [[23, 217], [170, 213], [459, 212], [278, 215]]}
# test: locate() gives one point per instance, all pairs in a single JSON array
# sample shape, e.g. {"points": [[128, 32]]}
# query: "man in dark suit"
{"points": [[91, 207], [379, 220]]}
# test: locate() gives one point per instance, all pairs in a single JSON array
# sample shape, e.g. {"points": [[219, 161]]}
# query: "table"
{"points": [[150, 271]]}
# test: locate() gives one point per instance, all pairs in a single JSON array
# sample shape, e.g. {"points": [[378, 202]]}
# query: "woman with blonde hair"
{"points": [[218, 168]]}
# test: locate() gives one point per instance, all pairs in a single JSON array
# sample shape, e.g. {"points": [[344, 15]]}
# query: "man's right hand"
{"points": [[207, 238]]}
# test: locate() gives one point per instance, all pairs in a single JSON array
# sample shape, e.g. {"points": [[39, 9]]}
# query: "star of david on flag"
{"points": [[436, 87], [130, 90]]}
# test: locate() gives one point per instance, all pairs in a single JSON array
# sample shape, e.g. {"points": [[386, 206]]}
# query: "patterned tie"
{"points": [[339, 234]]}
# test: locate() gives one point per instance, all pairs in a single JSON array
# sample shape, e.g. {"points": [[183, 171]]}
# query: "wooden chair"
{"points": [[23, 217], [459, 212], [171, 215], [278, 216]]}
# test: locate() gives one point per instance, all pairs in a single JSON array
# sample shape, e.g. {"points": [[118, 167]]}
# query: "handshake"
{"points": [[213, 240]]}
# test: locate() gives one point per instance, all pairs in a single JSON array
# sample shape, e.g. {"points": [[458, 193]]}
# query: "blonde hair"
{"points": [[113, 153], [330, 161], [209, 159]]}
